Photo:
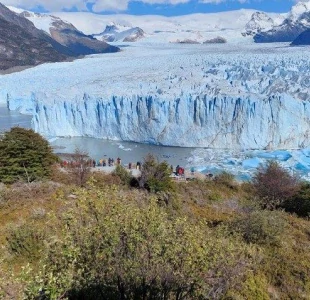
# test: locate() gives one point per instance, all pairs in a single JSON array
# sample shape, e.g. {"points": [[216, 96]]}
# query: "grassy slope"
{"points": [[281, 269]]}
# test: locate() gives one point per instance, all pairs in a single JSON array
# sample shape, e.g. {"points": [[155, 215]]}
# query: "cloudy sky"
{"points": [[163, 7]]}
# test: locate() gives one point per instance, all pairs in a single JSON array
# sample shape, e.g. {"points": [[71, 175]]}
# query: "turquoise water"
{"points": [[127, 151], [9, 119]]}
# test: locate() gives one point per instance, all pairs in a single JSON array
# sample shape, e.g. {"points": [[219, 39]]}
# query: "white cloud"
{"points": [[98, 5], [221, 1], [51, 5], [102, 5]]}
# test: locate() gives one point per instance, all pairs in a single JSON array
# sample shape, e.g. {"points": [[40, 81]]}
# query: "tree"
{"points": [[24, 155], [274, 185], [155, 176], [79, 167]]}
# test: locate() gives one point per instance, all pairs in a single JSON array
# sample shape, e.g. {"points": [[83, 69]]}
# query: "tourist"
{"points": [[192, 171]]}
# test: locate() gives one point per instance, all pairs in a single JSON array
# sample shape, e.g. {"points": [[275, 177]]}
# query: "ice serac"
{"points": [[255, 98]]}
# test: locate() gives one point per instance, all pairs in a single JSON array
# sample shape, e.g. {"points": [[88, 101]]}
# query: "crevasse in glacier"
{"points": [[256, 97]]}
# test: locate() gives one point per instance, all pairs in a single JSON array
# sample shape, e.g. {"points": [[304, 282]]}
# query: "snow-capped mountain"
{"points": [[120, 33], [66, 34], [260, 21], [22, 44], [298, 20], [300, 13], [232, 26], [160, 29]]}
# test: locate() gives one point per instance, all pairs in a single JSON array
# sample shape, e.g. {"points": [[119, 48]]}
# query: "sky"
{"points": [[158, 7]]}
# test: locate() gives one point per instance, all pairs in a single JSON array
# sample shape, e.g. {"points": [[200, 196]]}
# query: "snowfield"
{"points": [[218, 96]]}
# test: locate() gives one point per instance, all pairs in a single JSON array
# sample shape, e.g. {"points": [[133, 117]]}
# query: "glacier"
{"points": [[215, 96]]}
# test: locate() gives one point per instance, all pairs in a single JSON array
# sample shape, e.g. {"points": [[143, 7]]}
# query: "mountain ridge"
{"points": [[66, 34], [297, 21]]}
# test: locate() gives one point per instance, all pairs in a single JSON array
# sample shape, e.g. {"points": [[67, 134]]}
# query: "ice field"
{"points": [[256, 97]]}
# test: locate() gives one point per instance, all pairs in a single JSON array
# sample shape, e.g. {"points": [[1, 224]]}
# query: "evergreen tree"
{"points": [[24, 155]]}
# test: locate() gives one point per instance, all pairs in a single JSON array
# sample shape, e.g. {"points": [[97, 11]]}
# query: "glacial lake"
{"points": [[240, 163], [10, 119]]}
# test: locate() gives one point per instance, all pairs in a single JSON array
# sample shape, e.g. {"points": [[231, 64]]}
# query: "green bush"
{"points": [[300, 203], [113, 248], [261, 227], [25, 240], [155, 176], [24, 155], [226, 179], [123, 175]]}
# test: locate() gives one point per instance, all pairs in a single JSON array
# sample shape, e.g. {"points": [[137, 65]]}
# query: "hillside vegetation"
{"points": [[115, 237]]}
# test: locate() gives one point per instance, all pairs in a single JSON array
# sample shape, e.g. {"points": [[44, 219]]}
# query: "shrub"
{"points": [[123, 175], [274, 185], [25, 155], [25, 240], [79, 167], [155, 176], [226, 179], [100, 180], [300, 203], [261, 227], [113, 248]]}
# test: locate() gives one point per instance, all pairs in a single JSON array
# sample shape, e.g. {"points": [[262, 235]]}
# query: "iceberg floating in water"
{"points": [[251, 163], [281, 155]]}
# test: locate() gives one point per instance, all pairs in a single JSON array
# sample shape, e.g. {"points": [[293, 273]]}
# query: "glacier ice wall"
{"points": [[220, 122], [253, 99]]}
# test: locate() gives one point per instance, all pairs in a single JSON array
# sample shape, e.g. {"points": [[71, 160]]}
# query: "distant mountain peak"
{"points": [[298, 10], [120, 32], [297, 21], [260, 21]]}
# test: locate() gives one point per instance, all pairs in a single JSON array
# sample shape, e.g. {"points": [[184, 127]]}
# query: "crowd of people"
{"points": [[178, 172], [110, 162]]}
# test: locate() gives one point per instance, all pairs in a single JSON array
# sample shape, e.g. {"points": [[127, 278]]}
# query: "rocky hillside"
{"points": [[302, 39], [21, 44], [68, 35]]}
